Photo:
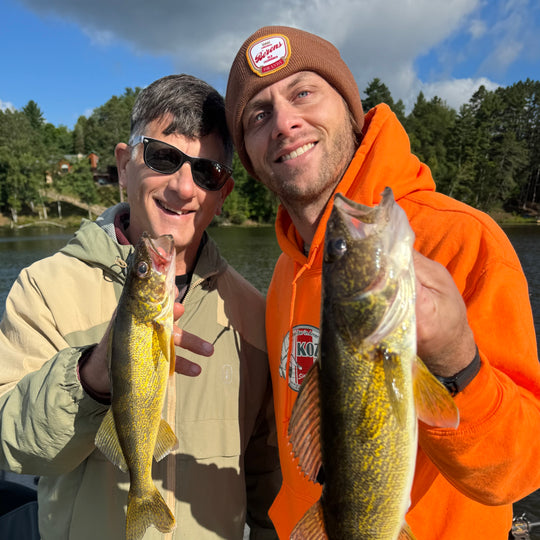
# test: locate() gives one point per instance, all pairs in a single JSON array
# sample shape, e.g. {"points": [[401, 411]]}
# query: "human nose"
{"points": [[285, 120], [182, 181]]}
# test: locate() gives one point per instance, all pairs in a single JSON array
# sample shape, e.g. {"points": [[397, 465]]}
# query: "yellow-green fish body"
{"points": [[362, 384], [141, 359]]}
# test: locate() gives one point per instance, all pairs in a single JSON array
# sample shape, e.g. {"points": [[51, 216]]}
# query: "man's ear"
{"points": [[122, 153]]}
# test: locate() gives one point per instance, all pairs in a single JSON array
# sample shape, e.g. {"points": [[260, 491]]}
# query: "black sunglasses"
{"points": [[167, 159]]}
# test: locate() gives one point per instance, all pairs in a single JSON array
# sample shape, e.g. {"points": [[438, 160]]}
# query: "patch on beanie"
{"points": [[268, 54]]}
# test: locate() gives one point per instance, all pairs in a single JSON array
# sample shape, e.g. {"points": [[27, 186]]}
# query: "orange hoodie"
{"points": [[465, 479]]}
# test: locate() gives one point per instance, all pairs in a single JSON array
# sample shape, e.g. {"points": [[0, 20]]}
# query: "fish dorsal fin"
{"points": [[311, 526], [434, 404], [166, 441], [304, 425], [107, 441]]}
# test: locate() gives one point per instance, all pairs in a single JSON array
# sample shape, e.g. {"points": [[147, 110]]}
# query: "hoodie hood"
{"points": [[90, 245], [382, 159]]}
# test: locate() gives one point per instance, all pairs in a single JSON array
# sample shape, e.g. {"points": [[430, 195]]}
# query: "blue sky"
{"points": [[72, 56]]}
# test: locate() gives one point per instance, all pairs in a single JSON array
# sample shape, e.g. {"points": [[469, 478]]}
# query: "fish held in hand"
{"points": [[142, 357], [354, 423]]}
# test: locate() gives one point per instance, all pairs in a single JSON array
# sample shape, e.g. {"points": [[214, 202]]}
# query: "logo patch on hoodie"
{"points": [[305, 347]]}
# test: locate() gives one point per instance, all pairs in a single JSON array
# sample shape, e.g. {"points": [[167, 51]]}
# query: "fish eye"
{"points": [[142, 269], [336, 248]]}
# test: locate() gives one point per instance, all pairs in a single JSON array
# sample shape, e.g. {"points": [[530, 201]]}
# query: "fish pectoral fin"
{"points": [[311, 526], [107, 441], [392, 368], [406, 533], [166, 441], [434, 404], [304, 425], [166, 344]]}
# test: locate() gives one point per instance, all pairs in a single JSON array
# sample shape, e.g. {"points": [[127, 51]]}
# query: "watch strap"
{"points": [[458, 382]]}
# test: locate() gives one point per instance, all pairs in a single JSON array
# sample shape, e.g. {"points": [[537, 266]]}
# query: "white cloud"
{"points": [[377, 38], [477, 28], [5, 105], [456, 92]]}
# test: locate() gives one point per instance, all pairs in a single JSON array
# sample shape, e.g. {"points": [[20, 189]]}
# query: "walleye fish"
{"points": [[354, 423], [141, 359]]}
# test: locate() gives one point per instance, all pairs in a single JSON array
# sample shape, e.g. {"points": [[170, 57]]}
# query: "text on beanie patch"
{"points": [[268, 54]]}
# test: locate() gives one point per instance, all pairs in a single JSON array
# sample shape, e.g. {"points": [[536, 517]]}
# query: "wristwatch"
{"points": [[459, 381]]}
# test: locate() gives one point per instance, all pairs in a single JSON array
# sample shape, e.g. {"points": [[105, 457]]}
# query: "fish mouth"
{"points": [[161, 251]]}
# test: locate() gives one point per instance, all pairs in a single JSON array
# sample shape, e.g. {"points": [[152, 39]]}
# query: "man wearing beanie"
{"points": [[296, 117]]}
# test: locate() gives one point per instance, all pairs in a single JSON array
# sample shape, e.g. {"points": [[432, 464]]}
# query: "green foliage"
{"points": [[377, 92], [429, 126], [249, 198], [487, 154], [34, 114], [106, 127], [23, 162], [80, 182]]}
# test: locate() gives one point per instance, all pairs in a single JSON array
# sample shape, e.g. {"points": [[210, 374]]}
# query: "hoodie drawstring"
{"points": [[288, 392]]}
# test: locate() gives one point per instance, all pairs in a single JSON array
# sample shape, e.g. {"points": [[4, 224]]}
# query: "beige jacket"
{"points": [[225, 470]]}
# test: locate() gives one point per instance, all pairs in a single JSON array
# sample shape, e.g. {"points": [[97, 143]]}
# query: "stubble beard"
{"points": [[297, 195]]}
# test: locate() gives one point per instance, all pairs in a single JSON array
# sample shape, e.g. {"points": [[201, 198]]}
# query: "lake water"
{"points": [[253, 252]]}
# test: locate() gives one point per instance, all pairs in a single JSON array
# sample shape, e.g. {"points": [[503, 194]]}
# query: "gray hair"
{"points": [[196, 110]]}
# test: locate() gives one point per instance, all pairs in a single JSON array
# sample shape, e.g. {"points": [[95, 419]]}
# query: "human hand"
{"points": [[94, 368], [190, 342], [445, 340]]}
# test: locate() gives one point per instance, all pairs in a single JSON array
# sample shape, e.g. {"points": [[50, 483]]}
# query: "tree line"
{"points": [[487, 154]]}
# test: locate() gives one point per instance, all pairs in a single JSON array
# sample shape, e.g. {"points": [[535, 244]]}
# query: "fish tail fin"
{"points": [[148, 510], [311, 526]]}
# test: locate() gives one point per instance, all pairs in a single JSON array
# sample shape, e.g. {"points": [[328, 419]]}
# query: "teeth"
{"points": [[178, 212], [297, 152]]}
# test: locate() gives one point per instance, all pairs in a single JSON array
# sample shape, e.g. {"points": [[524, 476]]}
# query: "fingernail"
{"points": [[194, 369]]}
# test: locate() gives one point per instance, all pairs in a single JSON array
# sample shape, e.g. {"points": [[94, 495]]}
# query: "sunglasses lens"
{"points": [[208, 175], [166, 159], [162, 158]]}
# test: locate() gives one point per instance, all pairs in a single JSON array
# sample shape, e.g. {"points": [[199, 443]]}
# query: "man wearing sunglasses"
{"points": [[296, 117], [177, 175]]}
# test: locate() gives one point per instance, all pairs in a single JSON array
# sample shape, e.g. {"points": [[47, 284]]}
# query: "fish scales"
{"points": [[142, 357], [364, 376]]}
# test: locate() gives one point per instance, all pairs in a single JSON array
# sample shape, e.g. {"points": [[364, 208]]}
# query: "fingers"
{"points": [[189, 342], [192, 343], [186, 367], [178, 310], [444, 337]]}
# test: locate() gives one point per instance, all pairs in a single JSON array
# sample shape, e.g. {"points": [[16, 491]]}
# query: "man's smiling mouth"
{"points": [[163, 206], [297, 152]]}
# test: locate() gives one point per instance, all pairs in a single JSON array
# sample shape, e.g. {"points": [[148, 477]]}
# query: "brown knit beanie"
{"points": [[273, 53]]}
